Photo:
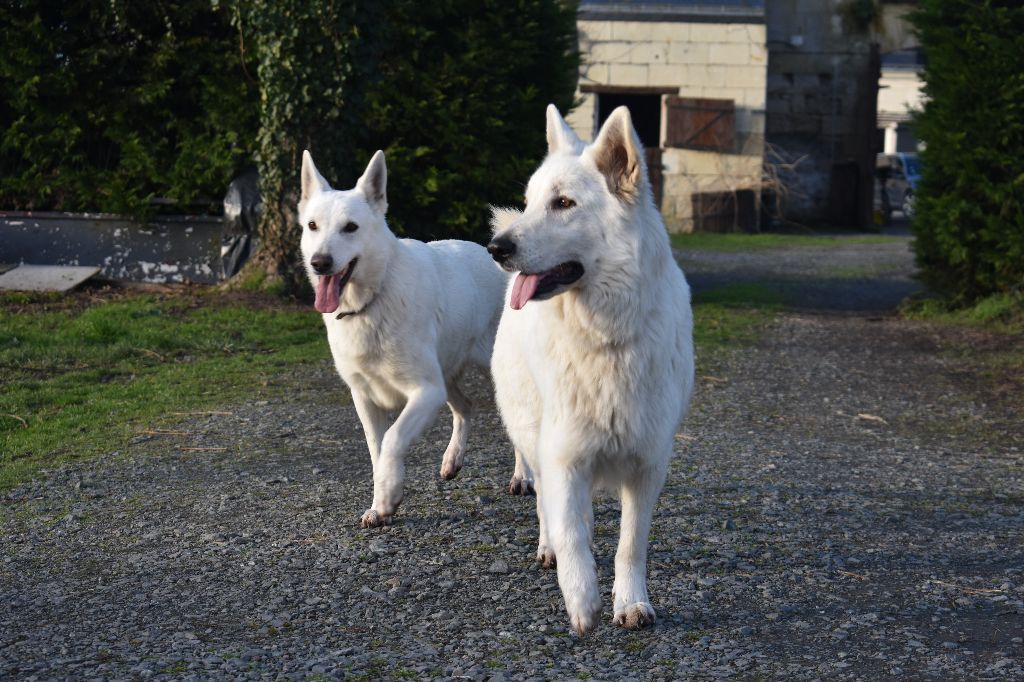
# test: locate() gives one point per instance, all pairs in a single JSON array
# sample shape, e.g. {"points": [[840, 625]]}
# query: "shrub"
{"points": [[969, 219], [106, 104], [459, 106], [313, 60], [453, 92]]}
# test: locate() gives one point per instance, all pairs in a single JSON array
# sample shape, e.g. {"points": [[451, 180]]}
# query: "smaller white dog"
{"points": [[404, 319], [593, 361]]}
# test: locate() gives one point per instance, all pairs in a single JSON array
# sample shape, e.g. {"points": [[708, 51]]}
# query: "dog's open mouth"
{"points": [[544, 284], [328, 288]]}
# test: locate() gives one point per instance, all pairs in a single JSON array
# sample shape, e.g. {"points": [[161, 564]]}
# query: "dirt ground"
{"points": [[847, 502]]}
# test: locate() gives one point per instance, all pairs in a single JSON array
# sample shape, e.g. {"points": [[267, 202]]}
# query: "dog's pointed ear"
{"points": [[312, 181], [617, 153], [502, 217], [560, 136], [374, 183]]}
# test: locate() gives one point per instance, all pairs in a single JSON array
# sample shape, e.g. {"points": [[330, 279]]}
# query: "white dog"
{"points": [[593, 362], [403, 320]]}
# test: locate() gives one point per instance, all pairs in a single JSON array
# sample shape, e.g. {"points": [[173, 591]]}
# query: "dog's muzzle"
{"points": [[501, 249]]}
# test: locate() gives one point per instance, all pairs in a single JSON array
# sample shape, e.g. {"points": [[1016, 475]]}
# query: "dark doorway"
{"points": [[645, 111]]}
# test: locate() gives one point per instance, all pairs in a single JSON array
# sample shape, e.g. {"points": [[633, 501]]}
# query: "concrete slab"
{"points": [[45, 277]]}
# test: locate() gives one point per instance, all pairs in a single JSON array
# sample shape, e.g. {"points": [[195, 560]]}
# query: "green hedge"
{"points": [[459, 108], [969, 219], [105, 104]]}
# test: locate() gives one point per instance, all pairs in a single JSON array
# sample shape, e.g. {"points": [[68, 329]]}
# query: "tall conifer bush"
{"points": [[969, 219]]}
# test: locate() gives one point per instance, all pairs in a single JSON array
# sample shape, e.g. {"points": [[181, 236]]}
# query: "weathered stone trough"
{"points": [[167, 249]]}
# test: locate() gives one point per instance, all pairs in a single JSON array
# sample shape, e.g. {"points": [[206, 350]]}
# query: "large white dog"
{"points": [[593, 361], [403, 320]]}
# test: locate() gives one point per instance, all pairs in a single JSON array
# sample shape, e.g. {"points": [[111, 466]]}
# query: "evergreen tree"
{"points": [[969, 217]]}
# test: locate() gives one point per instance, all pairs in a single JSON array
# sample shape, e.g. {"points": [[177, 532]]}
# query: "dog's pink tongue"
{"points": [[523, 290], [328, 294]]}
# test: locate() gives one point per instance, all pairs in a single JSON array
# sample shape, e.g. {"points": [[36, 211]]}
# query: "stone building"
{"points": [[823, 71], [753, 110], [694, 76]]}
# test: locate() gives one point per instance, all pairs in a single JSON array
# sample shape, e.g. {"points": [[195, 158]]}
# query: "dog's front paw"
{"points": [[520, 486], [546, 556], [584, 610], [635, 616], [371, 519]]}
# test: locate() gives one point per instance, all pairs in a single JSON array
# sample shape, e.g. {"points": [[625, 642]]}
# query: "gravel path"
{"points": [[848, 277], [847, 503]]}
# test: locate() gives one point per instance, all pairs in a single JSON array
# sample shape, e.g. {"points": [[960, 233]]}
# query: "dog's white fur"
{"points": [[423, 312], [593, 382]]}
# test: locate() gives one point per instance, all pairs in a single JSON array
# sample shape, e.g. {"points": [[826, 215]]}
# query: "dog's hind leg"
{"points": [[545, 551], [461, 408], [389, 470], [639, 493], [522, 478]]}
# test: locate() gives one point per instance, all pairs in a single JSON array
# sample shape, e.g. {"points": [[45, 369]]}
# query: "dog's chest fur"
{"points": [[365, 359], [599, 386]]}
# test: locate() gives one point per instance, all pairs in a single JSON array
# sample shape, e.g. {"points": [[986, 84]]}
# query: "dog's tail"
{"points": [[502, 217]]}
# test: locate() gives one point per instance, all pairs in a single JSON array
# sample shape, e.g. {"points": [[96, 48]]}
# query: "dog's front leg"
{"points": [[565, 493], [639, 494], [389, 470], [374, 421]]}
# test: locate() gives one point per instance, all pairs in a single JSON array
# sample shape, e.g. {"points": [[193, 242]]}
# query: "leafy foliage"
{"points": [[969, 219], [313, 61], [459, 106], [453, 91], [105, 104]]}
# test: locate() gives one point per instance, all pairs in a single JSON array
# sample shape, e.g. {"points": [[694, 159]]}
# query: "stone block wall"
{"points": [[823, 75], [698, 59]]}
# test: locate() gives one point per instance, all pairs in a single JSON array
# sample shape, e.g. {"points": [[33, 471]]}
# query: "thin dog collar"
{"points": [[351, 312], [355, 312]]}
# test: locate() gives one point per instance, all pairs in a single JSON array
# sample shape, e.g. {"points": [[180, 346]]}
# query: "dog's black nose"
{"points": [[322, 263], [501, 249]]}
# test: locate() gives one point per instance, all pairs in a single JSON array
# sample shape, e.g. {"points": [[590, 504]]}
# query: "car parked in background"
{"points": [[898, 175]]}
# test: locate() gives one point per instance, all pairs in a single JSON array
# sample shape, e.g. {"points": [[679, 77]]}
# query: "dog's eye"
{"points": [[312, 225], [562, 203], [350, 227]]}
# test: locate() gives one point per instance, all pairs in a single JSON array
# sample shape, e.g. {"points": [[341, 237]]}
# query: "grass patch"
{"points": [[733, 315], [85, 372], [706, 241], [742, 295], [1000, 312], [634, 646]]}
